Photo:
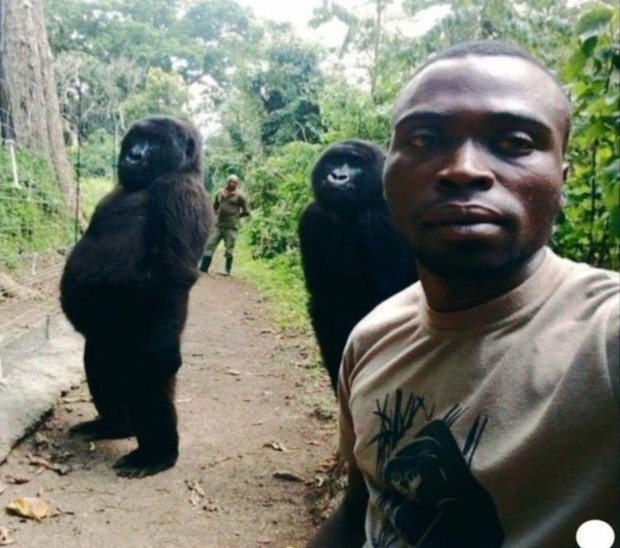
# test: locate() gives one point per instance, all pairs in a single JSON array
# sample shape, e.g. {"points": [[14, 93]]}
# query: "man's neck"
{"points": [[449, 294]]}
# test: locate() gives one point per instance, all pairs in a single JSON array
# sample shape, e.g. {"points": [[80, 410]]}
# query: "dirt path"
{"points": [[255, 427]]}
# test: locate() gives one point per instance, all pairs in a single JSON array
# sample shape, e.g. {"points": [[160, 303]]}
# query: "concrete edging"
{"points": [[35, 382]]}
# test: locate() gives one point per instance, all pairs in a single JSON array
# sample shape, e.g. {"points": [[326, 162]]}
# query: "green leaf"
{"points": [[574, 68], [588, 46], [614, 221], [611, 184], [594, 22], [594, 131]]}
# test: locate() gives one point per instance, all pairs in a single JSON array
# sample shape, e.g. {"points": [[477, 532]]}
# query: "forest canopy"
{"points": [[269, 101]]}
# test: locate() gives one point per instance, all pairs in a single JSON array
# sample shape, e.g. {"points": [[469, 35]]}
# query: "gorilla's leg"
{"points": [[104, 386], [152, 362], [153, 416]]}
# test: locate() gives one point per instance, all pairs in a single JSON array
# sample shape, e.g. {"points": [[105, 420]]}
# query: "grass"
{"points": [[91, 191], [284, 289]]}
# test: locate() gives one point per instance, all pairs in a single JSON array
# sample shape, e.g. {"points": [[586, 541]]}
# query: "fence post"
{"points": [[11, 145]]}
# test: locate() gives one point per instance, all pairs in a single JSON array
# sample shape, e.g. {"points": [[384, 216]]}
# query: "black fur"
{"points": [[352, 256], [126, 284]]}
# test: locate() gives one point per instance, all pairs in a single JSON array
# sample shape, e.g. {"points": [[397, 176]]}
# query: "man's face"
{"points": [[474, 172], [231, 185]]}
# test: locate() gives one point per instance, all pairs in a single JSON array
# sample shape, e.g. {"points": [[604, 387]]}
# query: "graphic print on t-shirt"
{"points": [[432, 500]]}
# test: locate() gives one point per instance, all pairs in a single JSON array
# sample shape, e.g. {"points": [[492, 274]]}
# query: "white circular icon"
{"points": [[595, 534]]}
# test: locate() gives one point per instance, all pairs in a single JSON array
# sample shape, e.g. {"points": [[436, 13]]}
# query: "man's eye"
{"points": [[515, 144], [424, 140]]}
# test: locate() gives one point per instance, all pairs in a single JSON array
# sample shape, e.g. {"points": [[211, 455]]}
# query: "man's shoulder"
{"points": [[587, 280], [399, 308], [584, 293]]}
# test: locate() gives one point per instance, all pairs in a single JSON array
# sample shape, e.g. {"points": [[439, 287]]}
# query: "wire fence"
{"points": [[37, 230]]}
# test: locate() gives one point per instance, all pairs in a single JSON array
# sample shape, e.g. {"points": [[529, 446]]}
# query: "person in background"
{"points": [[479, 407], [230, 205]]}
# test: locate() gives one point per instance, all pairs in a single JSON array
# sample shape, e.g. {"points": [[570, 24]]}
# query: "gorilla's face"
{"points": [[154, 146], [347, 175]]}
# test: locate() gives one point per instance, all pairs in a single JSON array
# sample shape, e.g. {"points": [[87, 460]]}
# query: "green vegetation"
{"points": [[273, 102], [280, 285], [589, 228], [32, 215], [92, 189], [280, 190]]}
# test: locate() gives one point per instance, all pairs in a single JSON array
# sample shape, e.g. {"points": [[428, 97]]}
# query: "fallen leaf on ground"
{"points": [[61, 469], [216, 462], [29, 507], [5, 538], [16, 480], [61, 512], [288, 476], [197, 493], [275, 445]]}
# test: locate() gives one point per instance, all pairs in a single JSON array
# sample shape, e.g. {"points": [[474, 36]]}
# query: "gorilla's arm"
{"points": [[315, 227], [390, 263], [176, 227]]}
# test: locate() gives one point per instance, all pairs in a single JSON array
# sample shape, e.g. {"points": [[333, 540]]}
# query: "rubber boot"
{"points": [[205, 264], [228, 266]]}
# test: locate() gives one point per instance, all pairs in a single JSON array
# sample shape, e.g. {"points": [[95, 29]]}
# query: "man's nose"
{"points": [[467, 164]]}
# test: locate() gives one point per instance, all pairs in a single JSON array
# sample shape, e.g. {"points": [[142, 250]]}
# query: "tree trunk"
{"points": [[28, 98]]}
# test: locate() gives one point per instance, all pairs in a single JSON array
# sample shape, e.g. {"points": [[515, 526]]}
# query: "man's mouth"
{"points": [[460, 222], [455, 214]]}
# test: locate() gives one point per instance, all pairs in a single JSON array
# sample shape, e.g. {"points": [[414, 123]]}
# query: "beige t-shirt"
{"points": [[493, 426]]}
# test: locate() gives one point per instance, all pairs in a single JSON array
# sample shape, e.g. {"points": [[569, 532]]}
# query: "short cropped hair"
{"points": [[485, 48], [490, 48]]}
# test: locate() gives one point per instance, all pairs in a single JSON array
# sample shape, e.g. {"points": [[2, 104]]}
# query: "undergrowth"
{"points": [[280, 282], [33, 216], [92, 189]]}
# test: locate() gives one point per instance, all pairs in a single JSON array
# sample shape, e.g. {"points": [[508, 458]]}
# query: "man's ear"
{"points": [[565, 170]]}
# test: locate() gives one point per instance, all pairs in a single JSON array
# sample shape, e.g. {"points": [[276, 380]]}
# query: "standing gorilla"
{"points": [[126, 284], [352, 256]]}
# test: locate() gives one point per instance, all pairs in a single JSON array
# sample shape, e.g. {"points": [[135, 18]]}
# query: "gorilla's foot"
{"points": [[138, 464], [101, 429]]}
